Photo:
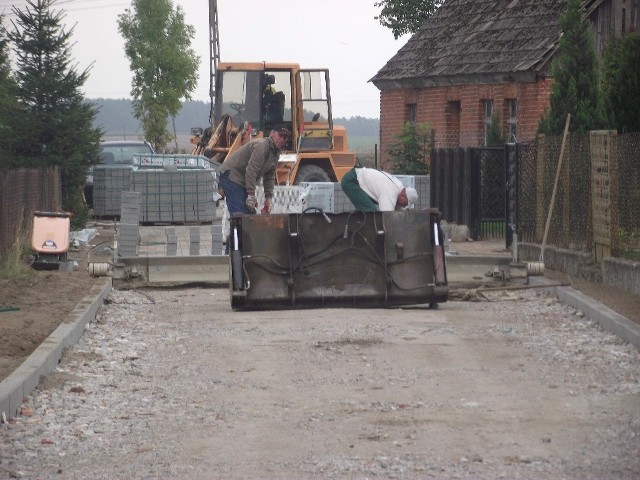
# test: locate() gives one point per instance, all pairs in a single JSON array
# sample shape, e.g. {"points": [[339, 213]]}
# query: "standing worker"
{"points": [[372, 190], [241, 170]]}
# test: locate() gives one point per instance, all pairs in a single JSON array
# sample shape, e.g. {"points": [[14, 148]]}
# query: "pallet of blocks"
{"points": [[175, 196], [108, 185]]}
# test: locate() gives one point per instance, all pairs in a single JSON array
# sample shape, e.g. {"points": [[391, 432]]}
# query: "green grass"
{"points": [[630, 243], [14, 265], [631, 255]]}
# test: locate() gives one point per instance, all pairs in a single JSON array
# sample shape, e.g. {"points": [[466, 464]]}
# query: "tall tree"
{"points": [[576, 80], [405, 16], [622, 82], [7, 101], [55, 127], [158, 45]]}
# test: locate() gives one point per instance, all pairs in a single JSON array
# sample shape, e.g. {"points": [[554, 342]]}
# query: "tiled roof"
{"points": [[471, 41]]}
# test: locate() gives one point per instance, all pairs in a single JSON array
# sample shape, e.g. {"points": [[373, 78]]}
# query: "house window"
{"points": [[486, 120], [451, 137], [512, 122], [410, 114]]}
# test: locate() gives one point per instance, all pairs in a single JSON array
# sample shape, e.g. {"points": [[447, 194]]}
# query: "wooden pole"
{"points": [[555, 188]]}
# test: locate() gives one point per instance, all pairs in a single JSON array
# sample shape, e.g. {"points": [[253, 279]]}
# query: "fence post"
{"points": [[566, 194], [475, 180], [604, 165], [541, 155]]}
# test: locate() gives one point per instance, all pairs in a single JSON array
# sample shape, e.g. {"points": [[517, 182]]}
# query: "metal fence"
{"points": [[489, 163], [597, 198], [626, 197], [499, 191], [22, 192], [570, 226], [468, 187]]}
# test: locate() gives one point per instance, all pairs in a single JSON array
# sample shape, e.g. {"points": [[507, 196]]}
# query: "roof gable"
{"points": [[468, 40]]}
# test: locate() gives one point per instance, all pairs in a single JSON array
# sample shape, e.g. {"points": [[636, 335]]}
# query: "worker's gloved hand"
{"points": [[251, 203], [267, 206]]}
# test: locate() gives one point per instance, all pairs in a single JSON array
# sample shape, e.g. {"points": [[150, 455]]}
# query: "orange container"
{"points": [[51, 232]]}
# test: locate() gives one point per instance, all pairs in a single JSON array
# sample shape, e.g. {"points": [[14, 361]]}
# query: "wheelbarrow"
{"points": [[50, 239]]}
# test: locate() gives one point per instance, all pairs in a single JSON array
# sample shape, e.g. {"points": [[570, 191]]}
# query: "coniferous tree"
{"points": [[164, 66], [622, 82], [576, 81], [610, 67], [410, 154], [7, 102], [495, 135], [55, 125]]}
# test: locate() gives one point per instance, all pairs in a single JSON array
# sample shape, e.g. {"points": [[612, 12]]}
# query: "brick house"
{"points": [[474, 58]]}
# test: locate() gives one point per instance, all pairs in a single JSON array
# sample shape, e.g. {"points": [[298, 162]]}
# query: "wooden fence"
{"points": [[22, 192]]}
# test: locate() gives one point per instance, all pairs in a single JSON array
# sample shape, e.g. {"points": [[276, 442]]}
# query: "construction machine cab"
{"points": [[254, 99], [251, 98]]}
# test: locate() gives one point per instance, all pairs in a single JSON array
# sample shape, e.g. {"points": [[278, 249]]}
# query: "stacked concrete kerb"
{"points": [[46, 357], [129, 228], [172, 241], [194, 241]]}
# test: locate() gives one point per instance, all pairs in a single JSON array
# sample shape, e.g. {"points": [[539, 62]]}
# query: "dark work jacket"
{"points": [[251, 162]]}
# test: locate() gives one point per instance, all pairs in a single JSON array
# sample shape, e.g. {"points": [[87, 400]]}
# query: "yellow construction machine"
{"points": [[251, 98]]}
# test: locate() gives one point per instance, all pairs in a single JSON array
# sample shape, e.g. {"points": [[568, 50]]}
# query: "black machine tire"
{"points": [[311, 173]]}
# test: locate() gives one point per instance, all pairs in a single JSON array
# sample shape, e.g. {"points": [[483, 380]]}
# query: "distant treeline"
{"points": [[115, 118]]}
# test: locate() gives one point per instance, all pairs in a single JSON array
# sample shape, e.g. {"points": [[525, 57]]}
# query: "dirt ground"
{"points": [[31, 308]]}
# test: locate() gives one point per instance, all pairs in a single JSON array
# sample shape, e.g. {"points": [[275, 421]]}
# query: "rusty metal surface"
{"points": [[347, 259]]}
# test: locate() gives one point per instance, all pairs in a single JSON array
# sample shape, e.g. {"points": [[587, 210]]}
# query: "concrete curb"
{"points": [[45, 358], [608, 319]]}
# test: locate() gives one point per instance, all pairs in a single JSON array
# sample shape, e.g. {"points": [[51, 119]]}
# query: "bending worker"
{"points": [[373, 190], [241, 170]]}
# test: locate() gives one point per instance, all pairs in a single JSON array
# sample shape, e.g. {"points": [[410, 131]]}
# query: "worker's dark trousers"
{"points": [[235, 195], [358, 197]]}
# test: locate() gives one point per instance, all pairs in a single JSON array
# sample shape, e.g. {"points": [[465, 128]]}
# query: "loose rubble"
{"points": [[172, 384]]}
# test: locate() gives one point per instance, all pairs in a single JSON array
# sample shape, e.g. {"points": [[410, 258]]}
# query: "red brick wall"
{"points": [[437, 107]]}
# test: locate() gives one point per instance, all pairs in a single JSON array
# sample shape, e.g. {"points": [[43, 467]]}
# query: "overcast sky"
{"points": [[341, 35]]}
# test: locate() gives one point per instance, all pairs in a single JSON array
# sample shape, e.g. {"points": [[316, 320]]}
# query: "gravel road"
{"points": [[171, 384]]}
